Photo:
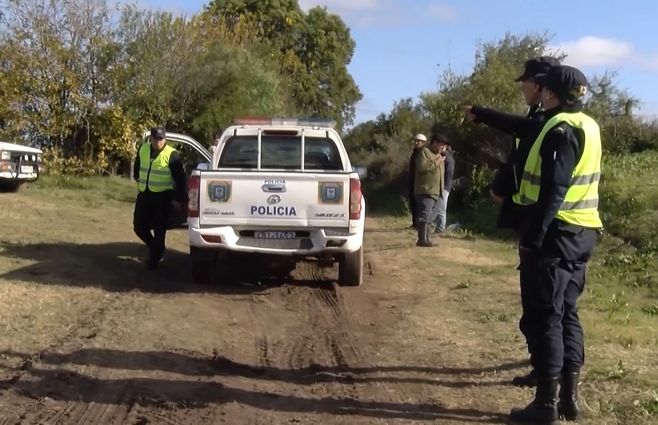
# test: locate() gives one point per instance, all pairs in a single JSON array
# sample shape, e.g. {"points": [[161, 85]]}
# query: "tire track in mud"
{"points": [[325, 328], [82, 413], [85, 328], [258, 320], [115, 410]]}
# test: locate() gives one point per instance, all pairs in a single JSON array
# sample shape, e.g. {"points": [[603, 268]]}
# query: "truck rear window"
{"points": [[280, 152]]}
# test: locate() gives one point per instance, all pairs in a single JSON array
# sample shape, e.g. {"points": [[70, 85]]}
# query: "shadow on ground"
{"points": [[118, 267], [47, 375]]}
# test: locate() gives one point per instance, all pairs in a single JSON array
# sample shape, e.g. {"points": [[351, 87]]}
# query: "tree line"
{"points": [[384, 145], [83, 78]]}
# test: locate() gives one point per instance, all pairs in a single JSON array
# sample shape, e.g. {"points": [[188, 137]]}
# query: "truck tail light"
{"points": [[355, 199], [212, 238], [193, 191]]}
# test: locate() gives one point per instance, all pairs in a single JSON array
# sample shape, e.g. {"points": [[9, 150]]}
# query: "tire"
{"points": [[10, 186], [350, 268], [204, 262]]}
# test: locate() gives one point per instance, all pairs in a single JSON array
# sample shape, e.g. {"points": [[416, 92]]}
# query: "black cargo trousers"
{"points": [[152, 213], [552, 279]]}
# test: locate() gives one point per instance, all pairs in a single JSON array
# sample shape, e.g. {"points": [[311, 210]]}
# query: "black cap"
{"points": [[158, 132], [536, 66], [567, 82], [440, 138]]}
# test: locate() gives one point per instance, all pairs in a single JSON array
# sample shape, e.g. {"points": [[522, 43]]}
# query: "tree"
{"points": [[612, 108], [53, 55], [313, 50], [82, 80], [491, 84]]}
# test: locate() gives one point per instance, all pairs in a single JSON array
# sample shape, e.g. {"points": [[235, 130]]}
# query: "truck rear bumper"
{"points": [[310, 242]]}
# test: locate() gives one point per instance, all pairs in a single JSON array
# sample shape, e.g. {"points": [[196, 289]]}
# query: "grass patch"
{"points": [[629, 194], [386, 198], [93, 190]]}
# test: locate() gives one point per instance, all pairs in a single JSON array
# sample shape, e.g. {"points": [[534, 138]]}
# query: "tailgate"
{"points": [[274, 200]]}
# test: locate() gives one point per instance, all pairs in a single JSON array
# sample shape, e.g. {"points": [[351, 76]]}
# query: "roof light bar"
{"points": [[282, 121], [252, 120]]}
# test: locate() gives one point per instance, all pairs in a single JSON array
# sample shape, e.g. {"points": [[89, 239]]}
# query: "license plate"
{"points": [[274, 235], [27, 169]]}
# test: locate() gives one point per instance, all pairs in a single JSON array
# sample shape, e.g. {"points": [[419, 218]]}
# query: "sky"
{"points": [[404, 46]]}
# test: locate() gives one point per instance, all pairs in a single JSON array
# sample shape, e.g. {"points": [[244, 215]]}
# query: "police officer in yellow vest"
{"points": [[508, 176], [560, 187], [160, 175]]}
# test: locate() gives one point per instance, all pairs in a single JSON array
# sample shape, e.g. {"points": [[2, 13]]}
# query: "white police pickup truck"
{"points": [[18, 164], [279, 189]]}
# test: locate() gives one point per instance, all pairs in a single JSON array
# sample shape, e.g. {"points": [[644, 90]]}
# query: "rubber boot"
{"points": [[423, 239], [529, 380], [568, 404], [543, 409], [428, 234]]}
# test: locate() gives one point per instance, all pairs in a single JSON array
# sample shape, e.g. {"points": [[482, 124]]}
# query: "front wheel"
{"points": [[10, 186], [350, 268]]}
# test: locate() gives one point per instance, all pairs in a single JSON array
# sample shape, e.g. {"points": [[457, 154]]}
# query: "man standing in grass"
{"points": [[419, 144], [428, 187], [449, 170]]}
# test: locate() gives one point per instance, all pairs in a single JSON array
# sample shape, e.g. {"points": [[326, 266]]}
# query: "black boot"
{"points": [[568, 404], [428, 234], [543, 409], [423, 235], [529, 380]]}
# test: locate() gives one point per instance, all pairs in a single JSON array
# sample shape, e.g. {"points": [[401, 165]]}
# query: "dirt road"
{"points": [[91, 337]]}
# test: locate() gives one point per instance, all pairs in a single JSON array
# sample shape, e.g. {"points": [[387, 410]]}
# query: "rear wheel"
{"points": [[350, 268], [204, 262]]}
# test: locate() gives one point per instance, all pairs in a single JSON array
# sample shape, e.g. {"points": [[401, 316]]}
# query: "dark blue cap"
{"points": [[567, 82], [158, 132], [536, 66]]}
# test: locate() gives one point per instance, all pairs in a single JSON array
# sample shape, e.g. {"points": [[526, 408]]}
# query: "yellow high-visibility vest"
{"points": [[581, 202], [155, 174]]}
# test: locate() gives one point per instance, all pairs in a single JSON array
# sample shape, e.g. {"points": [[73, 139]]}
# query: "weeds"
{"points": [[489, 317], [616, 304], [618, 371], [650, 407], [464, 284], [651, 310]]}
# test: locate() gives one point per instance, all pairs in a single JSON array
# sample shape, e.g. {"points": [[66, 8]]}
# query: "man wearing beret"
{"points": [[419, 143], [508, 176], [160, 175], [559, 188]]}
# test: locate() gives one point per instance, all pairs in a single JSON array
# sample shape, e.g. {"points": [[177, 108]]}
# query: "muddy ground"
{"points": [[89, 336]]}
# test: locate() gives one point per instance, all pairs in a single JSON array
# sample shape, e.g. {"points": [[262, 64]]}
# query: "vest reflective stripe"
{"points": [[156, 176], [586, 179], [582, 198], [531, 178], [580, 205], [156, 172]]}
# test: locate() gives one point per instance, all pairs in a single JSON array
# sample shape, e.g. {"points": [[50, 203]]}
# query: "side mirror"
{"points": [[203, 166], [361, 170]]}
